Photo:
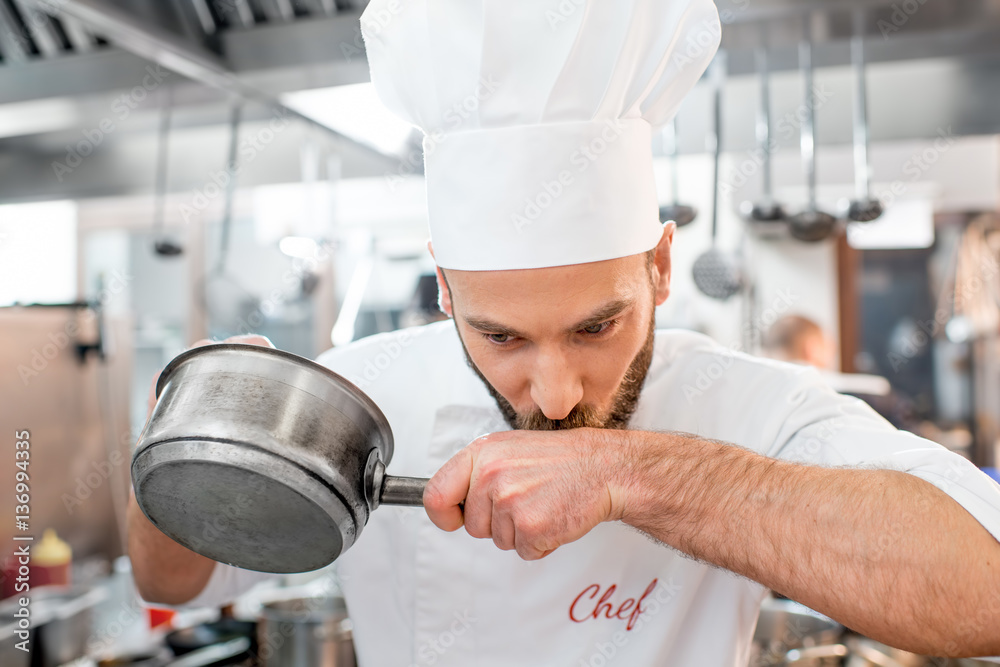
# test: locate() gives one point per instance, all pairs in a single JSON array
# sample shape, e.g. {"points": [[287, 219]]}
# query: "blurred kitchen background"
{"points": [[172, 170]]}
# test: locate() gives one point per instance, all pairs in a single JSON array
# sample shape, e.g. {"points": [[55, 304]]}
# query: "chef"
{"points": [[602, 492]]}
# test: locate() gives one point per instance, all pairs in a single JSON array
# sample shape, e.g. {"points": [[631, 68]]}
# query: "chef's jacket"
{"points": [[421, 596]]}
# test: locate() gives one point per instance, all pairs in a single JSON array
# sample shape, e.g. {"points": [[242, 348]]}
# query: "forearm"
{"points": [[164, 571], [885, 553]]}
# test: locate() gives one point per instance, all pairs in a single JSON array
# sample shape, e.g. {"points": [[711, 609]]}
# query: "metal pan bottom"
{"points": [[268, 514]]}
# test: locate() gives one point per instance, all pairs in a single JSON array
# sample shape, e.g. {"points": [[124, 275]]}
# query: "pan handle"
{"points": [[383, 489], [403, 491]]}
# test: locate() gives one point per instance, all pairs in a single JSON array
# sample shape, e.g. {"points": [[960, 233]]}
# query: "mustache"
{"points": [[581, 416]]}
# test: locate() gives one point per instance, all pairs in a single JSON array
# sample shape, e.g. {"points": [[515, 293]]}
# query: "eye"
{"points": [[499, 339], [595, 329]]}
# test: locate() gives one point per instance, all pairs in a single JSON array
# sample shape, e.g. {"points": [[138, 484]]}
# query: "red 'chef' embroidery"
{"points": [[630, 608]]}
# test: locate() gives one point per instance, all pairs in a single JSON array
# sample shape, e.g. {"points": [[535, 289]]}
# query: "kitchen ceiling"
{"points": [[64, 62]]}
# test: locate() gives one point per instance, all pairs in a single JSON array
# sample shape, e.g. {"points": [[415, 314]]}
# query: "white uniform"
{"points": [[420, 596]]}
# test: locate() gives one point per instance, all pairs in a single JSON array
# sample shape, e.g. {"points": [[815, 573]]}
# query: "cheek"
{"points": [[603, 375], [508, 373], [606, 368]]}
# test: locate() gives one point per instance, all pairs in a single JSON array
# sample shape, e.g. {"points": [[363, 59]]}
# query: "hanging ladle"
{"points": [[863, 208], [811, 225], [717, 274], [264, 460], [680, 214], [164, 246], [766, 215]]}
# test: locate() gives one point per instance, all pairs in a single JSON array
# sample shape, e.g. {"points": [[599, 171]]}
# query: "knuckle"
{"points": [[492, 471], [477, 530], [527, 552], [505, 500], [477, 445], [532, 529]]}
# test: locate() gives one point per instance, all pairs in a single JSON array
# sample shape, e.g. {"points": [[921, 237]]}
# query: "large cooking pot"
{"points": [[790, 633], [10, 655], [264, 460], [305, 632], [61, 620]]}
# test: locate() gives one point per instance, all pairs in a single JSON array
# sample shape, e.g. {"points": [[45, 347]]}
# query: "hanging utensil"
{"points": [[235, 118], [717, 274], [228, 303], [863, 208], [264, 460], [766, 216], [811, 225], [163, 246], [680, 214]]}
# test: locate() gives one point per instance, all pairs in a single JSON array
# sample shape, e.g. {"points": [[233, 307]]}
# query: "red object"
{"points": [[38, 575], [159, 616], [44, 575], [630, 609]]}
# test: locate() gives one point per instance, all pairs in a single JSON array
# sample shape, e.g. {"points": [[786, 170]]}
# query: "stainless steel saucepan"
{"points": [[264, 460]]}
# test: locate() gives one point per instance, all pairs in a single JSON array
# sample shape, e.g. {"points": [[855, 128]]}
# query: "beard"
{"points": [[582, 416]]}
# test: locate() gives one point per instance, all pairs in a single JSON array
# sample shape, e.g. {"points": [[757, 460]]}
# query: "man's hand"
{"points": [[531, 491]]}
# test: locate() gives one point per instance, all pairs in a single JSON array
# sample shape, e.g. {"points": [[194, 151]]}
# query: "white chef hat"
{"points": [[537, 118]]}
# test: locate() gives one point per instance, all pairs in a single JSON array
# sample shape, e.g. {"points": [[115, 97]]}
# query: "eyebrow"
{"points": [[605, 312]]}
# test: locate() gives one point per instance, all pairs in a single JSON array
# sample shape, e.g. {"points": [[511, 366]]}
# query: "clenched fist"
{"points": [[532, 491]]}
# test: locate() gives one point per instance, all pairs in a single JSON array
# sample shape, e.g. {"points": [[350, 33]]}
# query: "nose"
{"points": [[555, 388]]}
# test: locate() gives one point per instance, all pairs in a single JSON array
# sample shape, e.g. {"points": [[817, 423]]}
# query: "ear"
{"points": [[661, 263], [444, 294]]}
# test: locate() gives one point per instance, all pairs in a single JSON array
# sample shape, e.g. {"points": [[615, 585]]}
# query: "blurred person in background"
{"points": [[800, 340]]}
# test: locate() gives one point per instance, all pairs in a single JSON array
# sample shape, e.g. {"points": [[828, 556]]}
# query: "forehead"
{"points": [[556, 296]]}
